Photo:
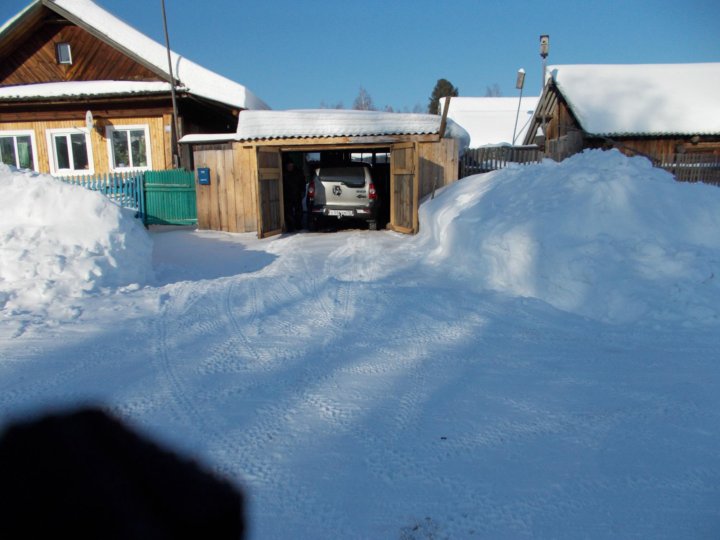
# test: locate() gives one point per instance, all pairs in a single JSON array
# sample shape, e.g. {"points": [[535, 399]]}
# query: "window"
{"points": [[64, 54], [128, 147], [71, 151], [17, 148]]}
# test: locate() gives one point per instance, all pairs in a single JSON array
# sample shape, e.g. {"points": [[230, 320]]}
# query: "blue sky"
{"points": [[304, 54]]}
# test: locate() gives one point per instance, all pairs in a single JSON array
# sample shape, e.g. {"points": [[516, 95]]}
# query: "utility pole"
{"points": [[519, 84], [175, 127]]}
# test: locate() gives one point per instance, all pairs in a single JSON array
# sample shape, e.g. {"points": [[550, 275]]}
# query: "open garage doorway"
{"points": [[336, 189]]}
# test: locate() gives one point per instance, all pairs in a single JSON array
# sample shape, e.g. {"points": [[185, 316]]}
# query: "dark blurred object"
{"points": [[86, 475]]}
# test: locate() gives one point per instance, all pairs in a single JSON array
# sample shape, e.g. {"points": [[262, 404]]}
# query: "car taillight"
{"points": [[311, 189], [372, 194]]}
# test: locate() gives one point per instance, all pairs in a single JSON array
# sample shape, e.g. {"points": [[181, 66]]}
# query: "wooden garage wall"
{"points": [[159, 143], [438, 164], [229, 203]]}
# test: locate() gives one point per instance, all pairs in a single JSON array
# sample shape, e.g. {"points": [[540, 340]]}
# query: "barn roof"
{"points": [[195, 79], [642, 99], [490, 121], [320, 123]]}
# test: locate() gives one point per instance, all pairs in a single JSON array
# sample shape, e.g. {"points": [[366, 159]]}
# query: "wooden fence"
{"points": [[170, 197], [492, 158], [158, 197], [125, 189], [692, 167]]}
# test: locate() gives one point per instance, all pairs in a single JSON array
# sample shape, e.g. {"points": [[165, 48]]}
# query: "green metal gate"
{"points": [[170, 198]]}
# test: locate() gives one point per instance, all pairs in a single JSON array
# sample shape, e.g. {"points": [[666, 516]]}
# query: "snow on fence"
{"points": [[125, 189]]}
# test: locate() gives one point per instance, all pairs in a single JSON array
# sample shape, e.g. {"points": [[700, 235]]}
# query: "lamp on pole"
{"points": [[175, 127], [544, 50], [519, 84]]}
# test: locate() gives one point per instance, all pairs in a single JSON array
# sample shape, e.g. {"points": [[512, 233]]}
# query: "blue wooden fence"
{"points": [[157, 197], [125, 189]]}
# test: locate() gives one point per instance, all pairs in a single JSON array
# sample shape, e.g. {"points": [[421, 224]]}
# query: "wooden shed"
{"points": [[245, 188], [669, 113]]}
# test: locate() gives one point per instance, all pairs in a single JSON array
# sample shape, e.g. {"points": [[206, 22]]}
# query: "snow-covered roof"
{"points": [[194, 78], [263, 125], [82, 89], [490, 121], [644, 99]]}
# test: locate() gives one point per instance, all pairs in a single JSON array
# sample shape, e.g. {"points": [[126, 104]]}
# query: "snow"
{"points": [[540, 361], [197, 79], [82, 88], [490, 121], [648, 99], [257, 125], [60, 243]]}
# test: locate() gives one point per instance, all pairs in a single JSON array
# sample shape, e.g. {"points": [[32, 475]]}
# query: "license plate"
{"points": [[340, 213]]}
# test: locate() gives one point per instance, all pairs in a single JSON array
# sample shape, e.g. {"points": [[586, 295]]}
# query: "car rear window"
{"points": [[350, 176]]}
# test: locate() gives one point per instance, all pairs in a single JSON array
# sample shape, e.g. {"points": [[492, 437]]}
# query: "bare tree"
{"points": [[338, 105], [493, 91], [363, 101]]}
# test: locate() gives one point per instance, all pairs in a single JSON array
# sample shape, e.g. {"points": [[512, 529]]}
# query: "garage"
{"points": [[240, 176]]}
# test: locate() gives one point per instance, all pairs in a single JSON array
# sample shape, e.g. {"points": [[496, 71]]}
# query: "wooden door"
{"points": [[404, 188], [270, 201]]}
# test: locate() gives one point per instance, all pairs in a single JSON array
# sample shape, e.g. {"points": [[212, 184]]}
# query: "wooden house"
{"points": [[412, 156], [669, 113], [82, 92]]}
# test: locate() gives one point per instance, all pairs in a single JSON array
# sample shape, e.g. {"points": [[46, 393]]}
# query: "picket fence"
{"points": [[157, 197]]}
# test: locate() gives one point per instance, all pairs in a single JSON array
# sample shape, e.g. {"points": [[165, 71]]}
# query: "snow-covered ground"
{"points": [[541, 361]]}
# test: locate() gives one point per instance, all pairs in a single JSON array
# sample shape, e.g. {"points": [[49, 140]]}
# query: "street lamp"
{"points": [[544, 50], [519, 84]]}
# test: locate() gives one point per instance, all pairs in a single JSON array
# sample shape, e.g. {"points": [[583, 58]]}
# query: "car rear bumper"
{"points": [[367, 213]]}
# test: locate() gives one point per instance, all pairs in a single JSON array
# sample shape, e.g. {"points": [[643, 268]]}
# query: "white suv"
{"points": [[346, 192]]}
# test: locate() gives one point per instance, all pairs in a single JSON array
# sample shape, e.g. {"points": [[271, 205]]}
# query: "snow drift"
{"points": [[59, 242], [599, 234]]}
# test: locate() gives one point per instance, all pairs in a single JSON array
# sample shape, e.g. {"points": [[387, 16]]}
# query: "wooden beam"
{"points": [[323, 143], [443, 121]]}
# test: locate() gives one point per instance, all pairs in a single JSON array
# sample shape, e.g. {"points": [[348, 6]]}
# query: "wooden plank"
{"points": [[310, 144], [203, 159], [230, 185], [33, 59], [250, 187]]}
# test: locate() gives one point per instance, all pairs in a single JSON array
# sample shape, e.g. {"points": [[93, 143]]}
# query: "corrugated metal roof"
{"points": [[60, 90], [263, 125]]}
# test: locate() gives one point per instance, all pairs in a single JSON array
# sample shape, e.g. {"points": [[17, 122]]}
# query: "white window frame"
{"points": [[63, 46], [109, 130], [52, 158], [23, 133]]}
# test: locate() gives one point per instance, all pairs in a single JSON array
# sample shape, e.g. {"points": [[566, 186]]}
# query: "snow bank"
{"points": [[59, 242], [600, 234]]}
